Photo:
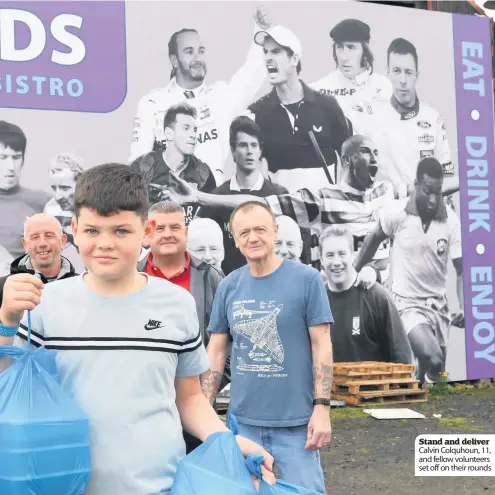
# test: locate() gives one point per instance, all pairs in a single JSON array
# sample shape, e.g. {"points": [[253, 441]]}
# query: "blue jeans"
{"points": [[286, 444]]}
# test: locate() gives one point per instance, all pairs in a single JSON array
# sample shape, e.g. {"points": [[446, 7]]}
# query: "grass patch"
{"points": [[460, 424], [347, 413], [444, 389]]}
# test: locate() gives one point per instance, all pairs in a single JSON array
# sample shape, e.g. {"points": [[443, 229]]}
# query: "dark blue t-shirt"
{"points": [[268, 318]]}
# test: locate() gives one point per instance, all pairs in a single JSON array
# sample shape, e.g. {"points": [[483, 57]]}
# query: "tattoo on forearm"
{"points": [[323, 378], [210, 383]]}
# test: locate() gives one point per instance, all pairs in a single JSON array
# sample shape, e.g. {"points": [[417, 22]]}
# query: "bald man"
{"points": [[43, 243], [289, 243]]}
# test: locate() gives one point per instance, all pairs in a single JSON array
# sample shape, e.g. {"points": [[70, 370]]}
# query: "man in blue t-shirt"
{"points": [[279, 317]]}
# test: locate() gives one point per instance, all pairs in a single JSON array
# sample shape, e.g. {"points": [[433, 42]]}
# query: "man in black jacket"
{"points": [[181, 137], [43, 242]]}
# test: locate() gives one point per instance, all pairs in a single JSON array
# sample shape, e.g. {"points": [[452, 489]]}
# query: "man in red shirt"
{"points": [[169, 259]]}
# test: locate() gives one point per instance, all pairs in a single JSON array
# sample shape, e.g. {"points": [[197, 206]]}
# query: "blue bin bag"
{"points": [[44, 435], [218, 467]]}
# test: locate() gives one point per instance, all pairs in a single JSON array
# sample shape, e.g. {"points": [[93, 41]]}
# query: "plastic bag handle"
{"points": [[37, 275], [232, 423]]}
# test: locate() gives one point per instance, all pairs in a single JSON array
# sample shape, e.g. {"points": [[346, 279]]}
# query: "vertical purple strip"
{"points": [[475, 136]]}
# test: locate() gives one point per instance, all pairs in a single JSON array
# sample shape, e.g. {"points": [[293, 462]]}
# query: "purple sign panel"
{"points": [[68, 56], [475, 128]]}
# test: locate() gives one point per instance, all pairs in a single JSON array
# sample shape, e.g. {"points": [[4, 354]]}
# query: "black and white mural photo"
{"points": [[332, 117]]}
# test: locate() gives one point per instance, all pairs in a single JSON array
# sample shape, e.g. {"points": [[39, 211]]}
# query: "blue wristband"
{"points": [[8, 331]]}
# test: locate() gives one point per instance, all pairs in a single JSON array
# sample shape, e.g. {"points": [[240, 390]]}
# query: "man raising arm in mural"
{"points": [[353, 201], [425, 232]]}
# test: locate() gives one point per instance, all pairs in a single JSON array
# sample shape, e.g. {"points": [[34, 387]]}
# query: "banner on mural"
{"points": [[336, 119]]}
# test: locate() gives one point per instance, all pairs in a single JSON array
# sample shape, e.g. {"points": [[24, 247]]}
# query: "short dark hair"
{"points": [[290, 53], [111, 188], [429, 166], [180, 109], [246, 125], [248, 206], [173, 45], [367, 60], [402, 47], [12, 136]]}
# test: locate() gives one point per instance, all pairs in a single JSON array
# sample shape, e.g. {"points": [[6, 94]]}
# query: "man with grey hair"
{"points": [[43, 242], [289, 243], [205, 241], [169, 259]]}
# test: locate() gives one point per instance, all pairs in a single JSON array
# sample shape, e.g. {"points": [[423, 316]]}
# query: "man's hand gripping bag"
{"points": [[253, 463], [44, 436]]}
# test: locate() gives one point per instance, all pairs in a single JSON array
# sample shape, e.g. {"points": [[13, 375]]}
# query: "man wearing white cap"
{"points": [[290, 112]]}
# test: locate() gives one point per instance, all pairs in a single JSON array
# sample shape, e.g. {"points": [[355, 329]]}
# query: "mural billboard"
{"points": [[333, 117]]}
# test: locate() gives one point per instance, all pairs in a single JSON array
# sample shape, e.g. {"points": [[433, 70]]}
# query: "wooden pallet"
{"points": [[373, 369], [384, 399], [342, 384], [371, 382]]}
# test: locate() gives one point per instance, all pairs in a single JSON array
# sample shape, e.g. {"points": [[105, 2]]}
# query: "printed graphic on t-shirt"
{"points": [[257, 323]]}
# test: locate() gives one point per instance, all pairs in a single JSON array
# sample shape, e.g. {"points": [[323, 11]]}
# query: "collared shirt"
{"points": [[234, 185], [403, 138], [287, 145], [427, 252], [181, 278]]}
